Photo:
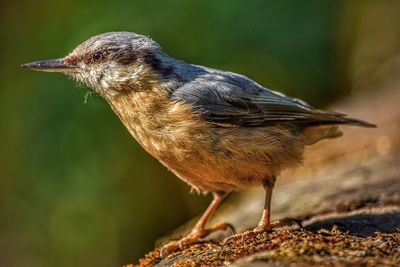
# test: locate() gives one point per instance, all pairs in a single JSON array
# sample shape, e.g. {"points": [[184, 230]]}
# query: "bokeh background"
{"points": [[75, 188]]}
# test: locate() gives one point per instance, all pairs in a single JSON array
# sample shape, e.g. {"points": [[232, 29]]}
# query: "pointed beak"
{"points": [[52, 65]]}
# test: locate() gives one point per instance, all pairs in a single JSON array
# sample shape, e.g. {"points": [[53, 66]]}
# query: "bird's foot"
{"points": [[261, 228], [194, 236]]}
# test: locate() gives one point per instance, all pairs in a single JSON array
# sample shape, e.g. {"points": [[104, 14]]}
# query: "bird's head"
{"points": [[112, 62]]}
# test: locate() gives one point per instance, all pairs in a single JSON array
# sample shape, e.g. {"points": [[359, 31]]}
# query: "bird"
{"points": [[216, 130]]}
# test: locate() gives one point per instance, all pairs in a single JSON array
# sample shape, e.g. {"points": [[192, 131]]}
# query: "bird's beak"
{"points": [[51, 65]]}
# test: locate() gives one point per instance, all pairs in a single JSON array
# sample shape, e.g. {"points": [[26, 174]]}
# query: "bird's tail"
{"points": [[321, 117], [326, 123]]}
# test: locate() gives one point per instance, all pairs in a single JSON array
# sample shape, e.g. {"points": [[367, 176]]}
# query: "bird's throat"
{"points": [[152, 118]]}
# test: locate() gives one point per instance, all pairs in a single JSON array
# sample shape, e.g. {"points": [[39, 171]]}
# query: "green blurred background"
{"points": [[75, 188]]}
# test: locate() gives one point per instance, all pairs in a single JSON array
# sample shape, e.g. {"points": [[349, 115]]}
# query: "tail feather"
{"points": [[326, 123], [327, 117], [357, 122]]}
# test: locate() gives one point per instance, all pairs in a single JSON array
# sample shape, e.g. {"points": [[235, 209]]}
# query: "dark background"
{"points": [[75, 188]]}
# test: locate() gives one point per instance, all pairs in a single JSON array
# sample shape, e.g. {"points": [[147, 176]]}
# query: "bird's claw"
{"points": [[261, 228], [193, 237], [243, 236]]}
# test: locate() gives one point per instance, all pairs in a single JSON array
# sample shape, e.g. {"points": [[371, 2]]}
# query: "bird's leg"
{"points": [[199, 231], [265, 222]]}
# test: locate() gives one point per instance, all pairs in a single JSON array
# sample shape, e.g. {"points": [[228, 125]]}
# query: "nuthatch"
{"points": [[218, 131]]}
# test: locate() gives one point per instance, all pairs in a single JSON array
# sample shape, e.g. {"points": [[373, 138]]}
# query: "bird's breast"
{"points": [[163, 127]]}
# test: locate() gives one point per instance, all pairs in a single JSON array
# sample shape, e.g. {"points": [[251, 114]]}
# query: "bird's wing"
{"points": [[231, 99]]}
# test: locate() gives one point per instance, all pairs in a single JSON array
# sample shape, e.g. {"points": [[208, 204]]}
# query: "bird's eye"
{"points": [[98, 56]]}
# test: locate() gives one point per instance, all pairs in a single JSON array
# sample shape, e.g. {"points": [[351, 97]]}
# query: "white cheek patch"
{"points": [[94, 77], [90, 76], [116, 76], [109, 76]]}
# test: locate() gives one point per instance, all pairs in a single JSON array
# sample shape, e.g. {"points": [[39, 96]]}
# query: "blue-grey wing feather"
{"points": [[229, 98]]}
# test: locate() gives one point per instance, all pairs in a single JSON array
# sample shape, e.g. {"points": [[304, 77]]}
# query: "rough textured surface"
{"points": [[285, 246], [347, 196]]}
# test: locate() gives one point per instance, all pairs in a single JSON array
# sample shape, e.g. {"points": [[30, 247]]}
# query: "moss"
{"points": [[328, 247]]}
